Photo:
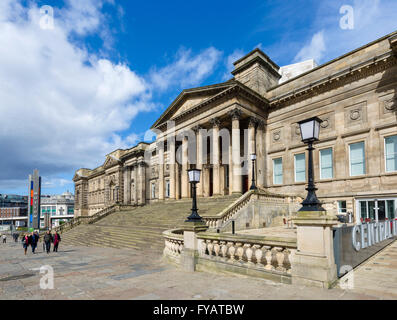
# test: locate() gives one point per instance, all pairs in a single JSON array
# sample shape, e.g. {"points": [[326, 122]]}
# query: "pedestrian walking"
{"points": [[57, 239], [47, 240], [25, 242], [16, 237], [4, 238], [35, 239]]}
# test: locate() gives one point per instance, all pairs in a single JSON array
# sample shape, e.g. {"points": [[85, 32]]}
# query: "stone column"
{"points": [[235, 177], [172, 164], [142, 182], [215, 155], [136, 184], [127, 185], [184, 176], [314, 263], [260, 154], [251, 147], [161, 171], [199, 158]]}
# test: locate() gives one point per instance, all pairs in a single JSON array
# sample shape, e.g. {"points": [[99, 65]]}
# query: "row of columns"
{"points": [[138, 174], [255, 137]]}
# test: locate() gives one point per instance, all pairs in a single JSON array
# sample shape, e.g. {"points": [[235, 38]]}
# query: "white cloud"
{"points": [[234, 56], [63, 107], [372, 20], [187, 69], [314, 50]]}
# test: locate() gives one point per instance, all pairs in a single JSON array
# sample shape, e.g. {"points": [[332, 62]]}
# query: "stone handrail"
{"points": [[271, 254], [216, 221], [90, 219], [173, 243]]}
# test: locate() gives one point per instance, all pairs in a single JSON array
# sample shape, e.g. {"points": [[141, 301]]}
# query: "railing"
{"points": [[173, 244], [91, 219], [271, 254], [219, 220]]}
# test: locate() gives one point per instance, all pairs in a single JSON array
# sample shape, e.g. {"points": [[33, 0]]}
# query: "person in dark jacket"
{"points": [[57, 239], [25, 242], [33, 242], [47, 240]]}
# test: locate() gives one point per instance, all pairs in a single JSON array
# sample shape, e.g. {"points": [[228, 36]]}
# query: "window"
{"points": [[326, 170], [300, 167], [153, 190], [391, 153], [342, 206], [357, 159], [278, 171]]}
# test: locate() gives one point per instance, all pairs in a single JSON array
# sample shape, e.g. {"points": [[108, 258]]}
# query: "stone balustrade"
{"points": [[173, 245], [266, 254], [219, 220]]}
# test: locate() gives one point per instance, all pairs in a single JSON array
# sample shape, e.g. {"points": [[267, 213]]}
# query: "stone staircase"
{"points": [[141, 228]]}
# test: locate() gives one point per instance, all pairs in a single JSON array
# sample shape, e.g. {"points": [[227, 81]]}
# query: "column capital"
{"points": [[253, 122], [215, 122], [261, 124], [196, 128], [235, 114]]}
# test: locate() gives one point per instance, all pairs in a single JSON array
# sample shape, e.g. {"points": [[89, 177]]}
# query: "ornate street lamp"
{"points": [[253, 158], [310, 130], [194, 178]]}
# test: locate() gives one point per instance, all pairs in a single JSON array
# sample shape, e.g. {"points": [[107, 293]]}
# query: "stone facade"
{"points": [[215, 128]]}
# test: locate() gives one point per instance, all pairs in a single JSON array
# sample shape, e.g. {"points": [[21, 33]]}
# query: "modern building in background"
{"points": [[34, 200], [56, 209], [13, 210]]}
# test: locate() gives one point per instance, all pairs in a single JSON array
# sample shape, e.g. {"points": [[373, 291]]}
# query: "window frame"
{"points": [[364, 159], [274, 172], [297, 154], [385, 153], [332, 162]]}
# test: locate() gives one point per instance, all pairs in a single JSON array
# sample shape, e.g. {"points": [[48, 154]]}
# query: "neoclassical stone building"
{"points": [[217, 127]]}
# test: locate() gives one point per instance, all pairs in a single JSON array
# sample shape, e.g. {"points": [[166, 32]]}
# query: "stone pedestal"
{"points": [[313, 263], [190, 252]]}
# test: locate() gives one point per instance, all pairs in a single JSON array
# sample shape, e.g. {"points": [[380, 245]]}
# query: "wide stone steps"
{"points": [[142, 227]]}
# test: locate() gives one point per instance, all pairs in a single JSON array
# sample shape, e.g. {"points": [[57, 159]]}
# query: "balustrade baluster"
{"points": [[248, 253], [258, 255], [280, 256], [210, 246], [268, 257], [224, 249], [216, 247], [232, 251], [240, 251]]}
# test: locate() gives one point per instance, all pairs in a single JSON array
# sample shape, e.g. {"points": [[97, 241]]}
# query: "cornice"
{"points": [[353, 73], [236, 89]]}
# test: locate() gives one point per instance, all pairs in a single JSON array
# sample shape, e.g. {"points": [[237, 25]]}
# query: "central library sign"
{"points": [[355, 244]]}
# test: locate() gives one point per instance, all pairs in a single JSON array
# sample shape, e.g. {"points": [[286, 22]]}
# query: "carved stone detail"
{"points": [[235, 114], [215, 122]]}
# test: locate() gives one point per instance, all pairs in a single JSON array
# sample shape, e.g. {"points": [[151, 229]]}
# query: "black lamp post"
{"points": [[310, 130], [194, 178], [253, 158]]}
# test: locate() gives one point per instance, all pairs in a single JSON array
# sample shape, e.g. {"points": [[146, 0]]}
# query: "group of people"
{"points": [[33, 239]]}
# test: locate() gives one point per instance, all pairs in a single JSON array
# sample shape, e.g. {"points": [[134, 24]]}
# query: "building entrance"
{"points": [[377, 209]]}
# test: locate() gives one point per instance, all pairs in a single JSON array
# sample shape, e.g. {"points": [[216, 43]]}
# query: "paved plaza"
{"points": [[107, 273]]}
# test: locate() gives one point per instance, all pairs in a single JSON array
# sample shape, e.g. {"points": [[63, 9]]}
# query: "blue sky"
{"points": [[108, 69]]}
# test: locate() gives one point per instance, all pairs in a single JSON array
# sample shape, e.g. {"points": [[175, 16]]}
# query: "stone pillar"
{"points": [[136, 183], [314, 263], [230, 166], [199, 158], [260, 154], [184, 175], [215, 156], [172, 164], [161, 171], [127, 185], [177, 181], [236, 158], [191, 245], [142, 182], [251, 147]]}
